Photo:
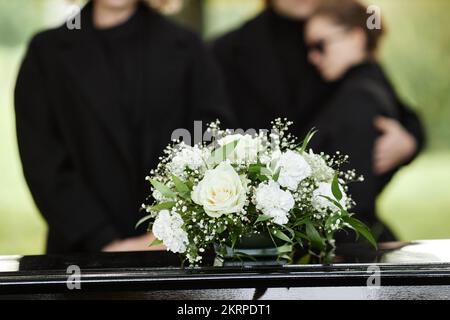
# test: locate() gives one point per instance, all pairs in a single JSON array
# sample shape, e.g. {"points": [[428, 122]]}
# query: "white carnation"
{"points": [[272, 201], [294, 169], [320, 170], [246, 150], [322, 204], [168, 228], [187, 157]]}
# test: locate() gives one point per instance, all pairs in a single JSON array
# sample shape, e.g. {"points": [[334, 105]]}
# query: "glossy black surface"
{"points": [[407, 270]]}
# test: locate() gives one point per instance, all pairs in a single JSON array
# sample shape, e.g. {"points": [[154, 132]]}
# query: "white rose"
{"points": [[221, 191], [274, 202], [168, 228], [294, 169], [246, 150], [322, 204]]}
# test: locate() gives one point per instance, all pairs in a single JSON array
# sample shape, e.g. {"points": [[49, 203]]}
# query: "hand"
{"points": [[141, 243], [394, 147]]}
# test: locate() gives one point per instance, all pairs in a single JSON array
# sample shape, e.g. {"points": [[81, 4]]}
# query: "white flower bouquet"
{"points": [[242, 184]]}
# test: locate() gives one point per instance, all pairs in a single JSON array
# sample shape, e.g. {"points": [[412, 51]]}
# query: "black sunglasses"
{"points": [[320, 45]]}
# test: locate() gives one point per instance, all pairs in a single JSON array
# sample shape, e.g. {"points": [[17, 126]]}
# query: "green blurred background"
{"points": [[416, 55]]}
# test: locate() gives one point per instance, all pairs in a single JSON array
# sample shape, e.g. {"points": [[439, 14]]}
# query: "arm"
{"points": [[64, 199], [347, 127], [407, 135]]}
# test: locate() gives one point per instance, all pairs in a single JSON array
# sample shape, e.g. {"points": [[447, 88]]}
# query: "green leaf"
{"points": [[337, 204], [335, 188], [221, 228], [361, 228], [300, 235], [262, 178], [221, 154], [180, 185], [155, 242], [265, 172], [163, 189], [162, 206], [314, 236], [304, 260], [281, 235], [239, 254], [262, 218], [277, 174], [291, 231], [141, 221], [287, 248], [285, 257], [273, 165], [234, 239], [254, 168], [307, 140], [300, 222]]}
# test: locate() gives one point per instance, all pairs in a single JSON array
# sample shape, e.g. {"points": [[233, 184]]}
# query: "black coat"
{"points": [[252, 61], [73, 143], [345, 124]]}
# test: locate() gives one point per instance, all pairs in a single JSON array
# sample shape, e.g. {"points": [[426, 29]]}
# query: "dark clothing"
{"points": [[267, 75], [345, 124], [94, 115]]}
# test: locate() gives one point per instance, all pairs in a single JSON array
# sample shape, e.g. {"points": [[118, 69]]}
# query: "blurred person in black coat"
{"points": [[344, 51], [95, 107], [268, 75]]}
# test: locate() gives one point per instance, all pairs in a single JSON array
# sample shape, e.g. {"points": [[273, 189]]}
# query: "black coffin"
{"points": [[413, 270]]}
